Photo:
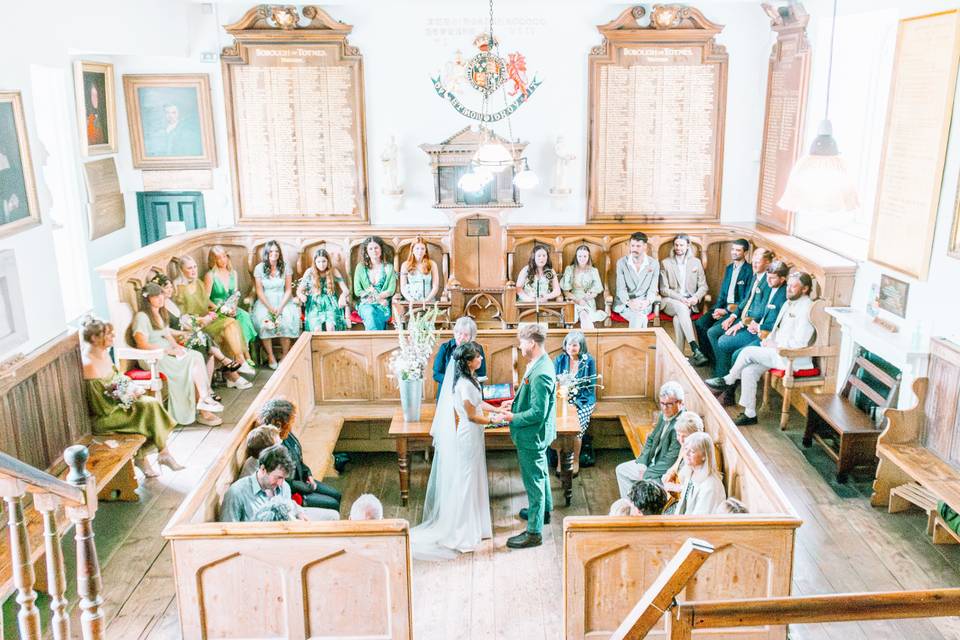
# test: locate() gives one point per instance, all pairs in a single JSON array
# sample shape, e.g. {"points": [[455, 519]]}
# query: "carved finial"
{"points": [[76, 458], [285, 16], [638, 12]]}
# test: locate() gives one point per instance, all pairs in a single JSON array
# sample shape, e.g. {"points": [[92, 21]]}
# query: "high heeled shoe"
{"points": [[147, 469], [166, 460], [231, 365]]}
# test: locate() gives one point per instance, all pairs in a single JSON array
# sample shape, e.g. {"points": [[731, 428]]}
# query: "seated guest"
{"points": [[737, 279], [282, 414], [366, 507], [323, 307], [419, 275], [702, 491], [182, 331], [623, 507], [274, 313], [145, 414], [225, 332], [648, 498], [374, 283], [577, 361], [188, 388], [537, 281], [683, 284], [464, 330], [752, 302], [791, 330], [732, 505], [581, 283], [637, 277], [661, 448], [752, 329], [249, 494], [221, 283], [259, 438], [687, 424]]}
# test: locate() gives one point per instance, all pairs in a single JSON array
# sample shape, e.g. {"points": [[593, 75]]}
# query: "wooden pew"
{"points": [[610, 562], [330, 579], [918, 453], [43, 410]]}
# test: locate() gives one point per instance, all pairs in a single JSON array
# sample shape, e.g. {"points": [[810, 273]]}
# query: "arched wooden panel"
{"points": [[339, 586], [344, 372], [622, 569], [733, 571], [627, 369], [243, 596]]}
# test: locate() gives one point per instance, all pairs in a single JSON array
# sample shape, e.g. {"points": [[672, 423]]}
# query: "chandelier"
{"points": [[489, 73]]}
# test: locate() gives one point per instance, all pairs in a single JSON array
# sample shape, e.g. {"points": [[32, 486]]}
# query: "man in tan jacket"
{"points": [[683, 285]]}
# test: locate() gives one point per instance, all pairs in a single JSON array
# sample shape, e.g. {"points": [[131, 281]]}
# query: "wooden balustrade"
{"points": [[78, 496]]}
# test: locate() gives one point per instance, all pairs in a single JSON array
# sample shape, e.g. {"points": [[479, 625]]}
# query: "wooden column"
{"points": [[28, 617], [47, 505], [88, 567]]}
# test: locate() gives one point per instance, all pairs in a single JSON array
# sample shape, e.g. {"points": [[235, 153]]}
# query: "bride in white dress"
{"points": [[456, 509]]}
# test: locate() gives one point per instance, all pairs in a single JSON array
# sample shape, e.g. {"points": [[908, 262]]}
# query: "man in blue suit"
{"points": [[757, 321], [737, 279]]}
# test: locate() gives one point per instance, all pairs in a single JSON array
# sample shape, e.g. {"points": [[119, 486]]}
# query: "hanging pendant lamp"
{"points": [[819, 181]]}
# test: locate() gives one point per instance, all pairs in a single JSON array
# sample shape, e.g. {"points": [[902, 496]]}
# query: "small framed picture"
{"points": [[19, 208], [96, 107], [171, 121], [893, 295]]}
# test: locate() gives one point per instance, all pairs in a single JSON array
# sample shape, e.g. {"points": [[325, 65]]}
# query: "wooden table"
{"points": [[412, 436]]}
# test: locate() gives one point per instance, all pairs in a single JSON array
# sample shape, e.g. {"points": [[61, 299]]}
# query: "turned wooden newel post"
{"points": [[88, 567], [28, 618], [47, 504]]}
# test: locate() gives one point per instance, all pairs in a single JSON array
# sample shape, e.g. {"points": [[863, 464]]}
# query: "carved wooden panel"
{"points": [[627, 366], [385, 386], [342, 370], [481, 259], [942, 427], [256, 610], [358, 580]]}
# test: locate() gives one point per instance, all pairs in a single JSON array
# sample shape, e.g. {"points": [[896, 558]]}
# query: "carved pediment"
{"points": [[662, 17], [286, 17]]}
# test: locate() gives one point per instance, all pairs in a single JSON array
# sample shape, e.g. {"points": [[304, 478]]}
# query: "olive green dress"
{"points": [[146, 417], [181, 394], [193, 300]]}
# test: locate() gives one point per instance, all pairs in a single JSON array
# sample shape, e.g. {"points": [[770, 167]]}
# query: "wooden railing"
{"points": [[78, 496], [684, 618]]}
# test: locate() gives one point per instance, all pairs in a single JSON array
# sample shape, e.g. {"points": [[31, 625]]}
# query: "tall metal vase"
{"points": [[411, 398]]}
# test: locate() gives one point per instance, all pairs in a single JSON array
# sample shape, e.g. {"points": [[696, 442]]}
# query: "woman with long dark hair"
{"points": [[456, 510], [324, 295], [537, 281], [374, 283], [274, 314]]}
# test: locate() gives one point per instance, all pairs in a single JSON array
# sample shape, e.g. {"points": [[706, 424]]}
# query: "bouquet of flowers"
{"points": [[197, 340], [229, 306], [573, 384], [416, 345], [270, 322], [122, 389]]}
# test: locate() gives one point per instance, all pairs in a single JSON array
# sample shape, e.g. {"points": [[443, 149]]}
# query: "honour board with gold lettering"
{"points": [[295, 114], [657, 105]]}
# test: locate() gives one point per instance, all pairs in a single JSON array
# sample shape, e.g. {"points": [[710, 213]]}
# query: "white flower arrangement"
{"points": [[416, 345]]}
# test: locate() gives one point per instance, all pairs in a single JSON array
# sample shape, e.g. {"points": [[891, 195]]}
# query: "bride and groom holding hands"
{"points": [[456, 509]]}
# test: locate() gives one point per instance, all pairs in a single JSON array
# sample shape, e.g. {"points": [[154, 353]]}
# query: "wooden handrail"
{"points": [[39, 481]]}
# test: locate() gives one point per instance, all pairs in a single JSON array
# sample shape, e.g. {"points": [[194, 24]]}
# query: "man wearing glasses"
{"points": [[661, 449]]}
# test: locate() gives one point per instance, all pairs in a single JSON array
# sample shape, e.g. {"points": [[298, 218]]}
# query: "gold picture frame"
{"points": [[19, 208], [171, 121], [96, 107]]}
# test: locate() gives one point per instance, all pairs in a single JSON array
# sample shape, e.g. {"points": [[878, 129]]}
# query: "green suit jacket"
{"points": [[534, 424]]}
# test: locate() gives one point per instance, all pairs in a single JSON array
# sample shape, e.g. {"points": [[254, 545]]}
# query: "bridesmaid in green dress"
{"points": [[323, 309], [537, 281], [581, 284], [146, 416], [188, 389], [221, 282], [374, 283]]}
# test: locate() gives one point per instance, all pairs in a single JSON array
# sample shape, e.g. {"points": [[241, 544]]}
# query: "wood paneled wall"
{"points": [[941, 433], [43, 408]]}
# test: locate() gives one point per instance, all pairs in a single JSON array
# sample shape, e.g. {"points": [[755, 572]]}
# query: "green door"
{"points": [[157, 208]]}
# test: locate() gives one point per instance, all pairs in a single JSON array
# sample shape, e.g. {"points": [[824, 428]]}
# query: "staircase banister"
{"points": [[38, 481]]}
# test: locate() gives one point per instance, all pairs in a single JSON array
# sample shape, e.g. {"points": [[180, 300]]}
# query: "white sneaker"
{"points": [[239, 383], [208, 404], [247, 370]]}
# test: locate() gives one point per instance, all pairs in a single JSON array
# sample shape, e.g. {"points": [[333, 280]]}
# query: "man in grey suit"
{"points": [[637, 277], [683, 285], [661, 449]]}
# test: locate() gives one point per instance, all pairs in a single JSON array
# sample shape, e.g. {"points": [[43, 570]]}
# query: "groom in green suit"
{"points": [[533, 427]]}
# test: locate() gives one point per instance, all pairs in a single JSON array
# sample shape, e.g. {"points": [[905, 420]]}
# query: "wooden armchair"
{"points": [[664, 251], [339, 253], [791, 378], [355, 255], [121, 315], [598, 254], [402, 308], [559, 311]]}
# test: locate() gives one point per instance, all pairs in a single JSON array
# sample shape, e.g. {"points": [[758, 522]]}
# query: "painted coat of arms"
{"points": [[484, 73]]}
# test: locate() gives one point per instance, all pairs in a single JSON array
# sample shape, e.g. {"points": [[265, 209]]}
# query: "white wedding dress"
{"points": [[456, 509]]}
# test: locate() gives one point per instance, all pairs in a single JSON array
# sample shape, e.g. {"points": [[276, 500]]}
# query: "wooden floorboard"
{"points": [[843, 545]]}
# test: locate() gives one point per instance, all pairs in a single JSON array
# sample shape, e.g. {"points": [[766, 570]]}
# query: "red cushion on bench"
{"points": [[801, 373], [616, 317], [668, 318], [356, 319], [140, 374]]}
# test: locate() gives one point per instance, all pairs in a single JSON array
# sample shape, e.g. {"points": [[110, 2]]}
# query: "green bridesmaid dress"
{"points": [[146, 417], [219, 294]]}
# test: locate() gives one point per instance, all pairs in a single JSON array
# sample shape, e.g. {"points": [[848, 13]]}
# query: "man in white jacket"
{"points": [[792, 330]]}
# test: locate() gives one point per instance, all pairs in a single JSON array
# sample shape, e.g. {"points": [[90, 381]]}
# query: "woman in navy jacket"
{"points": [[575, 358]]}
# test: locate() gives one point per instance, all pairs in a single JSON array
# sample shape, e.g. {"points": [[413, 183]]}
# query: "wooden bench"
{"points": [[111, 464], [855, 430]]}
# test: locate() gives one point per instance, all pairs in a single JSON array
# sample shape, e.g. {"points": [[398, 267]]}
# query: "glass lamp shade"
{"points": [[471, 182], [494, 156], [819, 181], [526, 179]]}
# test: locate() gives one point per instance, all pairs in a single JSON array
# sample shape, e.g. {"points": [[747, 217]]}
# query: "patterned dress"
{"points": [[287, 325], [585, 400], [582, 284], [146, 417], [541, 284], [219, 293], [418, 285], [322, 305]]}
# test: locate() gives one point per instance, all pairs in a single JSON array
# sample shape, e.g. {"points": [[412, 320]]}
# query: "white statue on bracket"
{"points": [[390, 160], [564, 156]]}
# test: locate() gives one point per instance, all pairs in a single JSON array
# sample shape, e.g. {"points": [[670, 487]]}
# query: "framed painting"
{"points": [[96, 107], [171, 121], [18, 190], [893, 295]]}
